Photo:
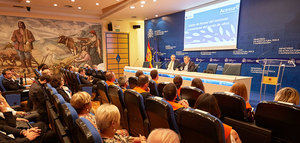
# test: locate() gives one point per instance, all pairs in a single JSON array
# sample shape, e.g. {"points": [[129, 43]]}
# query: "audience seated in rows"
{"points": [[208, 103], [132, 81], [9, 83], [163, 136], [288, 95], [197, 82], [110, 78], [178, 82], [241, 90], [84, 79], [142, 84], [154, 75], [37, 96], [138, 73], [108, 121], [122, 83], [58, 83], [170, 94]]}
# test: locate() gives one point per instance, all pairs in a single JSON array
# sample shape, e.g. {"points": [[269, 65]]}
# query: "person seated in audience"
{"points": [[47, 72], [142, 86], [58, 83], [187, 65], [170, 94], [14, 74], [197, 82], [9, 83], [110, 78], [287, 94], [138, 73], [82, 103], [37, 97], [87, 66], [154, 75], [84, 79], [208, 103], [95, 67], [108, 121], [241, 90], [161, 135], [4, 103], [178, 82], [122, 83], [132, 81], [42, 67]]}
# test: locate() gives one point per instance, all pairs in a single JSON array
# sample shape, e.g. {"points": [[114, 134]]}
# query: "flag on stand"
{"points": [[149, 55]]}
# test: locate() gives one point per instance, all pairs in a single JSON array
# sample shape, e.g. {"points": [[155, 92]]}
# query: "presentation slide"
{"points": [[212, 27]]}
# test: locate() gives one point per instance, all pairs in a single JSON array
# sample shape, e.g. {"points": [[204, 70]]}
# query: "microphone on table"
{"points": [[197, 65], [165, 62]]}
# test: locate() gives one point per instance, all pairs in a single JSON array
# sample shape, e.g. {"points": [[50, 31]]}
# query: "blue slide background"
{"points": [[277, 22]]}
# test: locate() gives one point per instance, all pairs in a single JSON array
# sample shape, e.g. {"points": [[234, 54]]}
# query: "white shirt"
{"points": [[171, 65], [186, 67]]}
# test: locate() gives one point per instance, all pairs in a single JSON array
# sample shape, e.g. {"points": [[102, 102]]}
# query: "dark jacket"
{"points": [[63, 93], [83, 80], [176, 64], [11, 85], [38, 99], [191, 66]]}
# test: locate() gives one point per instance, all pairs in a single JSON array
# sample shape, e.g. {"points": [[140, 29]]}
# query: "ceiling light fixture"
{"points": [[132, 7], [142, 5], [55, 4], [27, 1], [143, 2], [79, 7], [156, 15], [72, 0], [146, 18], [97, 3], [154, 0]]}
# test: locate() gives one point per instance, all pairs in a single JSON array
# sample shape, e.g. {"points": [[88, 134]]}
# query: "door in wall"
{"points": [[117, 52]]}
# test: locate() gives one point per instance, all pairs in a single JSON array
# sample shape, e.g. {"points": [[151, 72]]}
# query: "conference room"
{"points": [[149, 71]]}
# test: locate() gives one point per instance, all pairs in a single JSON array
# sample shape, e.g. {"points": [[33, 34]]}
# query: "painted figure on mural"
{"points": [[23, 39], [84, 58], [94, 50]]}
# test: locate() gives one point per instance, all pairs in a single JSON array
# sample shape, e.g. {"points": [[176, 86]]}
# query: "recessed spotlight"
{"points": [[132, 7], [55, 4], [72, 0], [97, 3], [27, 1], [156, 15], [117, 0], [146, 18], [142, 5], [143, 2], [154, 0], [79, 7]]}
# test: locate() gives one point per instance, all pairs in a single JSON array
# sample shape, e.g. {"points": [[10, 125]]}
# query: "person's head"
{"points": [[154, 74], [57, 81], [84, 49], [132, 82], [163, 136], [42, 66], [81, 71], [138, 73], [7, 74], [110, 76], [47, 72], [81, 101], [197, 82], [71, 68], [288, 94], [87, 66], [208, 103], [143, 81], [170, 92], [186, 59], [107, 118], [21, 25], [44, 79], [177, 81], [122, 82], [95, 67], [240, 89], [173, 57]]}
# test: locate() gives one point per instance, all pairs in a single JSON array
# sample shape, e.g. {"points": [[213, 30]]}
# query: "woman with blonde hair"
{"points": [[108, 121], [287, 94]]}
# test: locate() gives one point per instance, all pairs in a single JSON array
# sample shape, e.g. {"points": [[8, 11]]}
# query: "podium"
{"points": [[267, 78]]}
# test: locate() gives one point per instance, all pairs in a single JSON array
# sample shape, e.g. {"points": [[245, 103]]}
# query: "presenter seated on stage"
{"points": [[173, 64], [187, 65]]}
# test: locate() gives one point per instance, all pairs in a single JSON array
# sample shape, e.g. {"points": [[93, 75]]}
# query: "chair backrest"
{"points": [[153, 88], [281, 118], [232, 69], [78, 79], [231, 105], [1, 84], [58, 101], [160, 114], [197, 126], [102, 88], [160, 87], [212, 68], [117, 98], [69, 115], [13, 98], [87, 132], [191, 94], [137, 119]]}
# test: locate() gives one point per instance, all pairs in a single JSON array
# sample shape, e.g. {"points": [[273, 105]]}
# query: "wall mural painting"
{"points": [[26, 43]]}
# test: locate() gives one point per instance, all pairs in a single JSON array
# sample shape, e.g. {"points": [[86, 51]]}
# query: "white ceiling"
{"points": [[91, 10]]}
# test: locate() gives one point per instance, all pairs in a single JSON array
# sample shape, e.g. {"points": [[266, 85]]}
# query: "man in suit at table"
{"points": [[173, 64], [187, 65]]}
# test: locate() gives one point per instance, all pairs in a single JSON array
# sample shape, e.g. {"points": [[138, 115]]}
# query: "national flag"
{"points": [[149, 55]]}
